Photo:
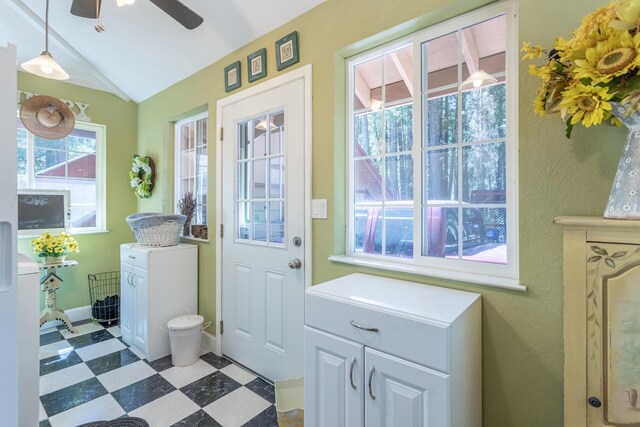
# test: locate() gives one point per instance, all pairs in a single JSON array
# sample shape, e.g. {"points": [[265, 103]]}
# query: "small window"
{"points": [[74, 163], [191, 163], [433, 152]]}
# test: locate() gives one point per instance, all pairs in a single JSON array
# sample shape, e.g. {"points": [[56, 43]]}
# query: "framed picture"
{"points": [[232, 78], [257, 65], [287, 51]]}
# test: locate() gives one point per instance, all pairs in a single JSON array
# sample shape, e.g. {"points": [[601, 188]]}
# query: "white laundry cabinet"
{"points": [[156, 285], [384, 352]]}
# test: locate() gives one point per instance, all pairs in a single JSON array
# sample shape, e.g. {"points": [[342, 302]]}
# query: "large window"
{"points": [[191, 162], [432, 155], [74, 163]]}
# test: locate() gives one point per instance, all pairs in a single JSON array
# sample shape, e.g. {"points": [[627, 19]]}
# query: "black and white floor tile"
{"points": [[93, 375]]}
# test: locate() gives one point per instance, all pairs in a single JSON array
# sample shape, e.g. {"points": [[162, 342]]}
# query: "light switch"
{"points": [[319, 208]]}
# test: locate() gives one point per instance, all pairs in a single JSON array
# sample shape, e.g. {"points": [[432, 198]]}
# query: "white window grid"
{"points": [[247, 163], [467, 270]]}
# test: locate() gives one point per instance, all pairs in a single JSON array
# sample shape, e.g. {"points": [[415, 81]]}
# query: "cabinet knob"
{"points": [[594, 401]]}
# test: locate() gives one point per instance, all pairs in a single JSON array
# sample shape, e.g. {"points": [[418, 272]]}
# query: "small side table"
{"points": [[50, 284]]}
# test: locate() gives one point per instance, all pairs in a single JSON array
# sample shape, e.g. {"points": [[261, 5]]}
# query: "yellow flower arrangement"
{"points": [[598, 65], [48, 245]]}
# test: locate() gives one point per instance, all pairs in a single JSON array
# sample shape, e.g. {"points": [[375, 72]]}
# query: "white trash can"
{"points": [[184, 337]]}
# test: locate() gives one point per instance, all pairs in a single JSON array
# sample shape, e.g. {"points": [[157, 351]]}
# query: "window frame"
{"points": [[500, 275], [101, 185], [177, 168]]}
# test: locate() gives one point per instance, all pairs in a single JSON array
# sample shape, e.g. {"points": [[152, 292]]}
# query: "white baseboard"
{"points": [[208, 342], [75, 315]]}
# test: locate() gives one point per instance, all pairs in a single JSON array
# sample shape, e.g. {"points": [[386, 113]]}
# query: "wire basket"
{"points": [[104, 291], [156, 230]]}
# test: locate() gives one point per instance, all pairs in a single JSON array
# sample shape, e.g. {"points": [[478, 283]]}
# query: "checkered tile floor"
{"points": [[94, 375]]}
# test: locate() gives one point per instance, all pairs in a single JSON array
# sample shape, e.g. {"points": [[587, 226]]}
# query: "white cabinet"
{"points": [[389, 353], [156, 285]]}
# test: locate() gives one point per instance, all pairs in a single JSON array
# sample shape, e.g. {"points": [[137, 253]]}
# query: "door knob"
{"points": [[295, 264], [594, 401]]}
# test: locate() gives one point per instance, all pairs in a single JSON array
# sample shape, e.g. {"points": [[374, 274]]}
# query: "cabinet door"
{"points": [[126, 302], [140, 313], [401, 393], [333, 381], [613, 335]]}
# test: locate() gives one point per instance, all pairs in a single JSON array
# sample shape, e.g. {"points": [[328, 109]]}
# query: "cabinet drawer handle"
{"points": [[132, 257], [353, 365], [364, 328], [373, 369]]}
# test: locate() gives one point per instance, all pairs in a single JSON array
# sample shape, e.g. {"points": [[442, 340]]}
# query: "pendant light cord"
{"points": [[46, 28]]}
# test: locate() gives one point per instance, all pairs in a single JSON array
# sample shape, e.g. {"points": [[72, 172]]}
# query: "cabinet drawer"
{"points": [[134, 256], [402, 336]]}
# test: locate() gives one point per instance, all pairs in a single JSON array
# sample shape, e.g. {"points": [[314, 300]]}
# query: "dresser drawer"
{"points": [[417, 340], [134, 256]]}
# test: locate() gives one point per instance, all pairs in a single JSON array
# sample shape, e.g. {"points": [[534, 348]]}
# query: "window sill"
{"points": [[474, 278], [28, 235], [194, 239]]}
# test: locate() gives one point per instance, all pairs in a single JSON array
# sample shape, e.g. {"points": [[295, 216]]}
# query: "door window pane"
{"points": [[260, 221], [260, 137], [276, 139], [276, 222], [259, 179]]}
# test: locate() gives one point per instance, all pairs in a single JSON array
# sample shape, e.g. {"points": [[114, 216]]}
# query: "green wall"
{"points": [[522, 332], [98, 251]]}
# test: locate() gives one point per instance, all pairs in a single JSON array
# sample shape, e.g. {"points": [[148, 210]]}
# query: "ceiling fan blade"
{"points": [[178, 11], [86, 8]]}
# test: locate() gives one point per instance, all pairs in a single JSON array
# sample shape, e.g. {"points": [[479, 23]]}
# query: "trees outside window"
{"points": [[432, 162]]}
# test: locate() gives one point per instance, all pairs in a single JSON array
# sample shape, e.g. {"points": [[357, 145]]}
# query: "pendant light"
{"points": [[44, 65], [477, 79]]}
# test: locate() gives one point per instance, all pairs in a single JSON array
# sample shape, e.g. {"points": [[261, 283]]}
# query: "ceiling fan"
{"points": [[174, 8]]}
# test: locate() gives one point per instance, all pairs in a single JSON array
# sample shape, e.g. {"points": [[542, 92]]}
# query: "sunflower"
{"points": [[587, 104], [627, 14], [612, 58], [596, 22]]}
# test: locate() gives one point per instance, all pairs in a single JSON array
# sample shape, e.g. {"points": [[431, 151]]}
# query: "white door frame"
{"points": [[303, 73]]}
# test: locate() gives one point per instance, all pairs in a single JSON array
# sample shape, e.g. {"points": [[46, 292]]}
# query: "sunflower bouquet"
{"points": [[598, 65], [49, 245]]}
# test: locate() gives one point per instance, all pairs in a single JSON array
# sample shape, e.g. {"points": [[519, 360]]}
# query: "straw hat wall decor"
{"points": [[47, 117]]}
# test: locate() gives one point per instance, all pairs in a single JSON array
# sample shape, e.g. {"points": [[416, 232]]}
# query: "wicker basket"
{"points": [[156, 229]]}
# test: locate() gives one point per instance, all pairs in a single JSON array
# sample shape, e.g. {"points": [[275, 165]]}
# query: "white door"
{"points": [[263, 241], [401, 393], [333, 381]]}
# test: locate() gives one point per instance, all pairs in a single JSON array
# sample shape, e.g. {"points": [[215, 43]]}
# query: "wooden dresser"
{"points": [[601, 321]]}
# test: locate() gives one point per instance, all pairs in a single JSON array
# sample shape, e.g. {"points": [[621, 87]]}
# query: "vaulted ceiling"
{"points": [[143, 50]]}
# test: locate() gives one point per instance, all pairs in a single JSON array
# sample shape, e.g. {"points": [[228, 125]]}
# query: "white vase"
{"points": [[54, 259], [624, 200]]}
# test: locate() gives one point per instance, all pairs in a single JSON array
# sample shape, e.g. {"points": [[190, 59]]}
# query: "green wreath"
{"points": [[141, 176]]}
